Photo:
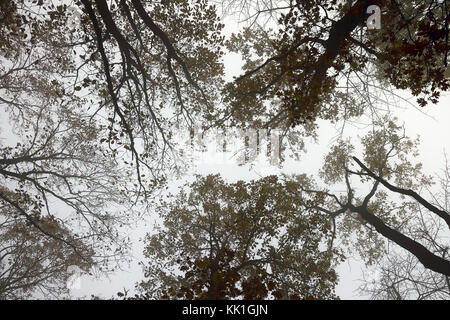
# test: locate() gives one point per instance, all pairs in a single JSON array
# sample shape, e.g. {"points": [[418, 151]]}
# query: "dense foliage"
{"points": [[95, 94]]}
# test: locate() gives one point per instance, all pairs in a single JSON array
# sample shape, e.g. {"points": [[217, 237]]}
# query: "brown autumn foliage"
{"points": [[95, 93], [319, 55], [34, 265], [250, 240]]}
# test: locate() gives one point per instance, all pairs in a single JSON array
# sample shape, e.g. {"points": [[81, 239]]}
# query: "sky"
{"points": [[431, 124], [435, 139], [432, 127]]}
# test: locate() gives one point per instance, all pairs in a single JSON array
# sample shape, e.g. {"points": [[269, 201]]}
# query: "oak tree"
{"points": [[34, 265], [385, 208], [250, 240], [55, 175], [401, 276], [318, 59]]}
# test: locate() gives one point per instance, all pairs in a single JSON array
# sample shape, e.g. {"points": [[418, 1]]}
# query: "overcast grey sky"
{"points": [[435, 138], [432, 128]]}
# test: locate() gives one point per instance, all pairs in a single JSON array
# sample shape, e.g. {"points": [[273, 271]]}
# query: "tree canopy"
{"points": [[244, 239], [95, 96]]}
